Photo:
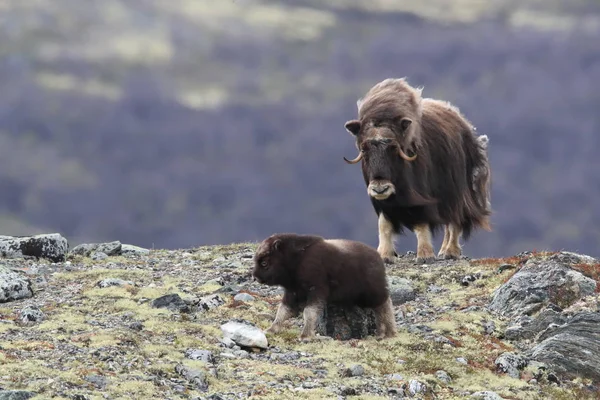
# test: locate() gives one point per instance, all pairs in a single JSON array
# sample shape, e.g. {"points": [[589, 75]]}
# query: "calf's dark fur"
{"points": [[314, 271]]}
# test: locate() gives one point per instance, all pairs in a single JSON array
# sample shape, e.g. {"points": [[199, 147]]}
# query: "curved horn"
{"points": [[357, 159], [403, 155]]}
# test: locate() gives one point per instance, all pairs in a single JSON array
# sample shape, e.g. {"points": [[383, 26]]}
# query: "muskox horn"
{"points": [[403, 155], [357, 159]]}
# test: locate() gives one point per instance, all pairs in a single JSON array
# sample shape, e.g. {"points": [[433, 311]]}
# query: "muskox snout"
{"points": [[381, 190]]}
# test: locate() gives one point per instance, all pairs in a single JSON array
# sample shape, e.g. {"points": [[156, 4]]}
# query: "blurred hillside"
{"points": [[187, 122]]}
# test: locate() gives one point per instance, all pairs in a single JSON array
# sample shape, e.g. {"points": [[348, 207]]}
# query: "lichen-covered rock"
{"points": [[572, 349], [244, 334], [539, 284], [486, 395], [16, 395], [511, 364], [31, 314], [52, 246], [344, 323], [13, 286], [526, 328], [104, 283], [401, 290], [172, 302], [209, 302], [87, 249], [129, 249]]}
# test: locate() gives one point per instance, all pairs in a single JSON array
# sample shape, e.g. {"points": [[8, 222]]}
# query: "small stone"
{"points": [[173, 302], [488, 327], [354, 370], [467, 280], [436, 289], [486, 395], [245, 335], [104, 283], [136, 326], [201, 355], [511, 364], [462, 360], [13, 286], [245, 297], [209, 302], [505, 267], [415, 387], [96, 380], [401, 290], [31, 314], [194, 376], [348, 391], [443, 376], [227, 342], [129, 250], [16, 395], [394, 377], [98, 256]]}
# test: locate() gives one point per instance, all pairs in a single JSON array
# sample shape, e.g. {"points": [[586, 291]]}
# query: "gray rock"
{"points": [[51, 246], [136, 326], [86, 249], [194, 376], [13, 286], [227, 342], [486, 395], [572, 349], [245, 335], [104, 283], [468, 279], [98, 256], [97, 380], [343, 323], [31, 314], [415, 387], [16, 395], [527, 328], [245, 297], [201, 355], [443, 376], [172, 302], [131, 250], [401, 290], [354, 370], [395, 377], [568, 257], [511, 364], [462, 360], [538, 284], [209, 302], [488, 327]]}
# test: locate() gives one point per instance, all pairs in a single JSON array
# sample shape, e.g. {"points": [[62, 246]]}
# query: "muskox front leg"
{"points": [[425, 252], [386, 239], [313, 310], [286, 310]]}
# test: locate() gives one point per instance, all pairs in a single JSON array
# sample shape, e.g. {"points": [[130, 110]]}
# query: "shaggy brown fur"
{"points": [[314, 271], [420, 158]]}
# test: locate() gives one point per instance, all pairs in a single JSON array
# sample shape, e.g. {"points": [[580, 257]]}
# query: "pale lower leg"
{"points": [[283, 313], [311, 316], [445, 242], [386, 321], [453, 250], [386, 239], [424, 245]]}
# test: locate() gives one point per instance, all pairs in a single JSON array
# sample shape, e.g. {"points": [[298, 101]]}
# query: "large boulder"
{"points": [[538, 284], [344, 323], [52, 246], [13, 286], [572, 349]]}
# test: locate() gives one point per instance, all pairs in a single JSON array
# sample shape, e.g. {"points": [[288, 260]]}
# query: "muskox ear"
{"points": [[353, 126], [405, 123], [277, 245]]}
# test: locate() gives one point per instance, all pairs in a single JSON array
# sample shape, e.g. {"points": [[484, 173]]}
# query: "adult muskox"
{"points": [[423, 166]]}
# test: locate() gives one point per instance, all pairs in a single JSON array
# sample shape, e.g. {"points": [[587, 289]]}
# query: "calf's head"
{"points": [[381, 147], [269, 262]]}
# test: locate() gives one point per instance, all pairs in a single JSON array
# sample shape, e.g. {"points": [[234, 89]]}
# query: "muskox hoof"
{"points": [[425, 260]]}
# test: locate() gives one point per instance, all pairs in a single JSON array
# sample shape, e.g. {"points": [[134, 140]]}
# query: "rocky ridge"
{"points": [[114, 321]]}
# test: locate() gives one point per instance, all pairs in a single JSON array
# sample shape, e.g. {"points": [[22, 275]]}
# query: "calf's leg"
{"points": [[386, 321]]}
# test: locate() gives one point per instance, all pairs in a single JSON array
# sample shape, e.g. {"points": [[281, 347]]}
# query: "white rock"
{"points": [[245, 335]]}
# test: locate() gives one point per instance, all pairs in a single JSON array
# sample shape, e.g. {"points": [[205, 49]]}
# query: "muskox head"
{"points": [[387, 133], [269, 262], [380, 151]]}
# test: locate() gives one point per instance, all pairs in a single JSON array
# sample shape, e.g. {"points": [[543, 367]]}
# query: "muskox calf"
{"points": [[423, 166], [314, 271]]}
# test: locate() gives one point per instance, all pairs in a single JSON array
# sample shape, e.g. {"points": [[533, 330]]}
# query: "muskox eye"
{"points": [[263, 263]]}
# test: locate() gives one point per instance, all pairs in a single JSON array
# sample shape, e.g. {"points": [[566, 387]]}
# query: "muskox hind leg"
{"points": [[386, 321], [452, 249], [425, 252], [386, 239]]}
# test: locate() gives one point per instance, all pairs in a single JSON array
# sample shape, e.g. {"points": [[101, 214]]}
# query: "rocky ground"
{"points": [[113, 321]]}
